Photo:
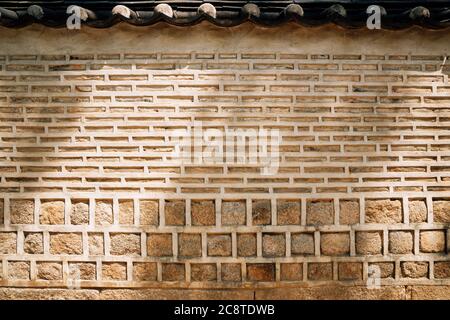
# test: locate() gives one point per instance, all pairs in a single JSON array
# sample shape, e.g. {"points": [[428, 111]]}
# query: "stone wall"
{"points": [[94, 203]]}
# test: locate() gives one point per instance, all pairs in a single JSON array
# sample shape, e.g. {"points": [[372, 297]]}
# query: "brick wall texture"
{"points": [[90, 189]]}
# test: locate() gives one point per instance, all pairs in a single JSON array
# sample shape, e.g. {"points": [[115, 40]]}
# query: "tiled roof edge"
{"points": [[394, 15]]}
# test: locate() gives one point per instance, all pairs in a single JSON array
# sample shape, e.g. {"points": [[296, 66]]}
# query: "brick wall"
{"points": [[91, 195]]}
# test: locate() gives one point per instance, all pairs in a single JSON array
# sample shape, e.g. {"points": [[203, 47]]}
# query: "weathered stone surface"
{"points": [[288, 212], [414, 269], [348, 212], [302, 244], [369, 243], [384, 269], [335, 244], [384, 211], [436, 292], [319, 212], [49, 271], [432, 241], [219, 245], [332, 293], [173, 272], [145, 271], [291, 272], [79, 213], [350, 271], [189, 245], [33, 243], [441, 211], [126, 212], [175, 213], [175, 294], [159, 245], [82, 271], [47, 294], [417, 211], [96, 244], [401, 242], [234, 213], [2, 211], [442, 269], [246, 244], [274, 245], [149, 212], [8, 242], [203, 272], [114, 271], [203, 213], [261, 212], [260, 271], [18, 270], [320, 271], [104, 212], [125, 244], [231, 272], [52, 212], [22, 211], [66, 243]]}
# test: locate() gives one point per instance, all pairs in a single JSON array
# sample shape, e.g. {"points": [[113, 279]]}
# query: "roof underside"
{"points": [[347, 13]]}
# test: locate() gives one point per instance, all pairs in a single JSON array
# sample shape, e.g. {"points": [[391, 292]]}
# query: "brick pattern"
{"points": [[89, 185]]}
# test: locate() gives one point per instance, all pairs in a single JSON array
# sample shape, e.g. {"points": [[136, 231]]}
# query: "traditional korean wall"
{"points": [[94, 204]]}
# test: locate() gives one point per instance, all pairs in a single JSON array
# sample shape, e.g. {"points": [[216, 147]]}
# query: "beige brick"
{"points": [[234, 213], [149, 212], [320, 271], [319, 212], [173, 272], [246, 244], [414, 269], [441, 211], [2, 211], [203, 213], [302, 244], [175, 213], [219, 245], [114, 271], [291, 272], [231, 272], [203, 272], [126, 212], [348, 212], [350, 271], [22, 211], [52, 212], [8, 243], [260, 272], [82, 271], [189, 245], [125, 244], [96, 244], [274, 245], [383, 211], [369, 243], [18, 270], [417, 211], [66, 243], [261, 212], [288, 212], [335, 244], [145, 271], [432, 241], [401, 242], [442, 269], [33, 243], [383, 269], [79, 214], [159, 245], [49, 271], [104, 212]]}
